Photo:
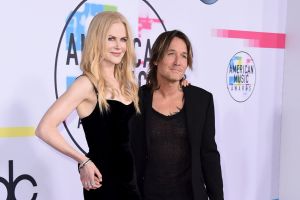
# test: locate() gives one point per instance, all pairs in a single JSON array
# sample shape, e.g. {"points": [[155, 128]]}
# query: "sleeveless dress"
{"points": [[107, 136]]}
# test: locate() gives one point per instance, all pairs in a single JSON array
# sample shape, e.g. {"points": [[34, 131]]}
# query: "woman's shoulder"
{"points": [[83, 84]]}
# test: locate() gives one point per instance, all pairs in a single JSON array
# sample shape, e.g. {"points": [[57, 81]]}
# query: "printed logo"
{"points": [[147, 26], [12, 183], [150, 25], [209, 1], [241, 76]]}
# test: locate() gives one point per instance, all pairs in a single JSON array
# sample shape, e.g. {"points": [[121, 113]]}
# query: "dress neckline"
{"points": [[112, 100]]}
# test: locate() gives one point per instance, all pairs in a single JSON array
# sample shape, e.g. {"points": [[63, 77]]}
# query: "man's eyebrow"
{"points": [[175, 50]]}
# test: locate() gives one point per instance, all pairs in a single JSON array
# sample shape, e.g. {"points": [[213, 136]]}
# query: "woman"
{"points": [[105, 97]]}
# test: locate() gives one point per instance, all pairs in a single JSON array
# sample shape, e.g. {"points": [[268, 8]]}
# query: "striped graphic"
{"points": [[70, 80], [145, 23], [7, 132], [254, 39], [76, 28]]}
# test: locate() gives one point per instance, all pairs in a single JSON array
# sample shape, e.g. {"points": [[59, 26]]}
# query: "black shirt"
{"points": [[168, 170]]}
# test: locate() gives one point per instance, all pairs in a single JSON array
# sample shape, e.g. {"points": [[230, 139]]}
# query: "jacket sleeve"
{"points": [[210, 157]]}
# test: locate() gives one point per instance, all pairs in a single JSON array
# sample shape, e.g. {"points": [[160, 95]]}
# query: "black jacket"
{"points": [[200, 121]]}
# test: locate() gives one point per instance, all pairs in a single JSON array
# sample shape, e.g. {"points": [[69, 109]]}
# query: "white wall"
{"points": [[248, 133], [290, 139]]}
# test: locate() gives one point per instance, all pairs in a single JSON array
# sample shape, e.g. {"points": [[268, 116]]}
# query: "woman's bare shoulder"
{"points": [[83, 83]]}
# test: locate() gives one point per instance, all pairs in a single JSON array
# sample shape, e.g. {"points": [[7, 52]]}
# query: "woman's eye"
{"points": [[124, 39], [111, 39]]}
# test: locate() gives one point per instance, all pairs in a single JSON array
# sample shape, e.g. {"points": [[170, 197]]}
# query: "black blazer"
{"points": [[200, 121]]}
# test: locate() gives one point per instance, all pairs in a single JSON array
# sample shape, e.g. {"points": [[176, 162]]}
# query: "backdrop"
{"points": [[238, 56]]}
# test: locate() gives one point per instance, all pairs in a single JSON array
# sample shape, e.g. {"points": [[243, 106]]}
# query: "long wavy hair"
{"points": [[93, 55], [158, 51]]}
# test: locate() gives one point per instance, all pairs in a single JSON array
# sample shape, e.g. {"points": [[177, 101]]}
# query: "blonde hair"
{"points": [[92, 56]]}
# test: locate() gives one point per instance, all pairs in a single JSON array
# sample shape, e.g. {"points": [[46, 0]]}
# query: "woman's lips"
{"points": [[117, 54]]}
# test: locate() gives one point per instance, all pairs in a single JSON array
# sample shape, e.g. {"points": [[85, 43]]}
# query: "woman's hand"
{"points": [[90, 176], [184, 83]]}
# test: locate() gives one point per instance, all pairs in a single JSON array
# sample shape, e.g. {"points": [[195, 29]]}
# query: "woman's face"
{"points": [[116, 44]]}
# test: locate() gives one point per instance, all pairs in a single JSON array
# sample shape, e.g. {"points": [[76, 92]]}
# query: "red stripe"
{"points": [[255, 39]]}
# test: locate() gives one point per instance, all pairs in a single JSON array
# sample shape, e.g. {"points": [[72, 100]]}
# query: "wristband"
{"points": [[83, 163]]}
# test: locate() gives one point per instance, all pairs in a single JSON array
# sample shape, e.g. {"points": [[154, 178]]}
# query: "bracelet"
{"points": [[83, 164]]}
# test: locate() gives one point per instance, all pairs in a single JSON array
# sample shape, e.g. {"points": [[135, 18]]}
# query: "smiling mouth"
{"points": [[116, 54], [176, 71]]}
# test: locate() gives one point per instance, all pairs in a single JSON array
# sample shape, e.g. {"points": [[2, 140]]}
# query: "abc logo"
{"points": [[11, 183]]}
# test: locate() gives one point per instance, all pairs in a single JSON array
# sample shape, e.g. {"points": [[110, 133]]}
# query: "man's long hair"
{"points": [[158, 51]]}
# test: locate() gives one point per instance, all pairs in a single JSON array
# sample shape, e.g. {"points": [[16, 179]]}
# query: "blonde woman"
{"points": [[105, 98]]}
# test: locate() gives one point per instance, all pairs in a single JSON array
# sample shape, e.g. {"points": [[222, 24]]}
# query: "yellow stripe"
{"points": [[17, 132]]}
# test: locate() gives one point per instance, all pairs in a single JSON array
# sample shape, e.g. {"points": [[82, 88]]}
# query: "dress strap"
{"points": [[95, 88], [96, 91]]}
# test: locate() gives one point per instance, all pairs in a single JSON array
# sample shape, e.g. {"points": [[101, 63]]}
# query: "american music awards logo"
{"points": [[146, 25], [241, 76]]}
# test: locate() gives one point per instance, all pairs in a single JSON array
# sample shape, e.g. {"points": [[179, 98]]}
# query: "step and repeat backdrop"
{"points": [[238, 56]]}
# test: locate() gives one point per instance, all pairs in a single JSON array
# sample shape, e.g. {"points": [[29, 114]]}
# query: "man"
{"points": [[176, 156]]}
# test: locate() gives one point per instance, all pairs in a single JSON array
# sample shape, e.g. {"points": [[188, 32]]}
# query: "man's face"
{"points": [[174, 62]]}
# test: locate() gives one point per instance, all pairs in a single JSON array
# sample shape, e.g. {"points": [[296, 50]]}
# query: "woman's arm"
{"points": [[47, 129], [78, 95]]}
